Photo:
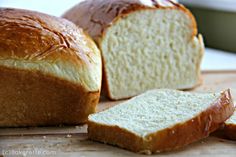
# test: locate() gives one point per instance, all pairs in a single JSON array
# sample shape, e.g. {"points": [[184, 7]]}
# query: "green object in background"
{"points": [[218, 27]]}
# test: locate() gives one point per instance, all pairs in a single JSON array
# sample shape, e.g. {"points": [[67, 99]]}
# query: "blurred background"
{"points": [[216, 21]]}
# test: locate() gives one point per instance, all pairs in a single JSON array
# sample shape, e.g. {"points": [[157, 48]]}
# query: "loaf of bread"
{"points": [[144, 44], [50, 71], [161, 120]]}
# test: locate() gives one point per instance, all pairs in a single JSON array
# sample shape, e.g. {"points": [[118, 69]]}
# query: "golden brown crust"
{"points": [[31, 98], [229, 131], [168, 139], [36, 36]]}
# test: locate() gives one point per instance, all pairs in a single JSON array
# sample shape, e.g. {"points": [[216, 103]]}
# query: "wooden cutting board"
{"points": [[72, 141]]}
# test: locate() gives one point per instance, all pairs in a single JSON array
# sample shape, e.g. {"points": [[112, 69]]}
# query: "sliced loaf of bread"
{"points": [[161, 120], [145, 44]]}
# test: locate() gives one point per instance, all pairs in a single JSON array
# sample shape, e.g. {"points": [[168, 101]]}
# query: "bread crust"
{"points": [[31, 98], [37, 36], [96, 16], [229, 131], [171, 138], [34, 37], [39, 96]]}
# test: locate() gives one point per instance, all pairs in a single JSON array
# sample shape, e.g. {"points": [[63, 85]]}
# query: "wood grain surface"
{"points": [[71, 141]]}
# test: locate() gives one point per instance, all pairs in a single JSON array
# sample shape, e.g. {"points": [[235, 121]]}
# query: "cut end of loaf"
{"points": [[161, 120], [152, 48]]}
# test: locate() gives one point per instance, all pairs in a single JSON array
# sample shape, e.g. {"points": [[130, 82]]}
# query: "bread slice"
{"points": [[144, 45], [50, 70], [161, 120], [229, 129]]}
